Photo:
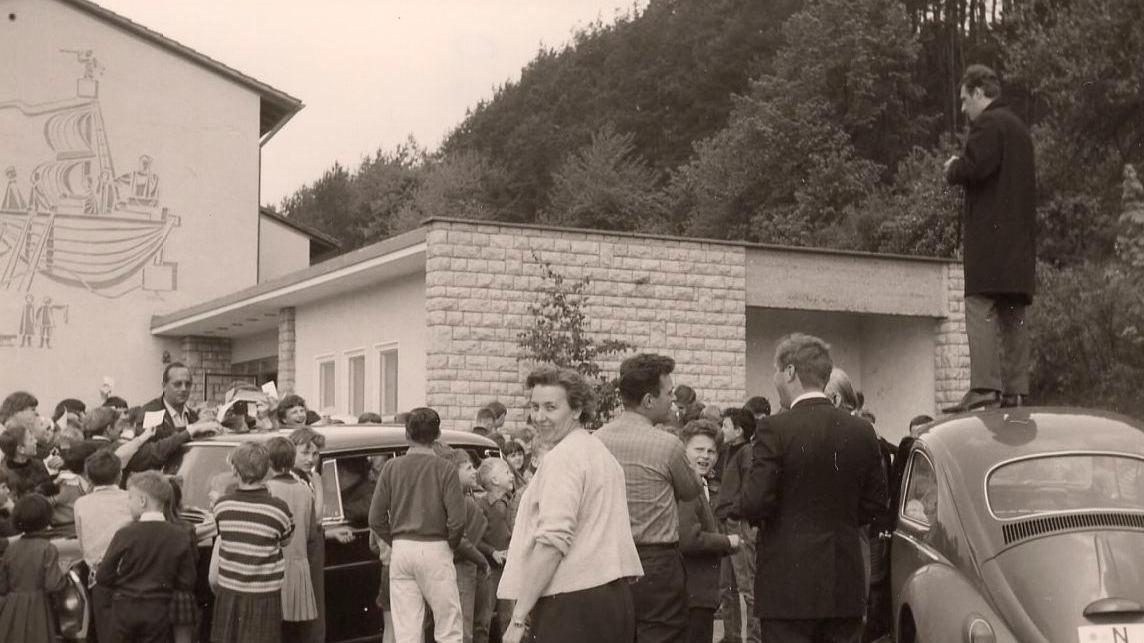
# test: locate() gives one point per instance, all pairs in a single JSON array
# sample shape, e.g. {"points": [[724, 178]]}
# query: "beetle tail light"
{"points": [[978, 630]]}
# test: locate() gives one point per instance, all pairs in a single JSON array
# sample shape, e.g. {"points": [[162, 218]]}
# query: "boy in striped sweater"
{"points": [[253, 526]]}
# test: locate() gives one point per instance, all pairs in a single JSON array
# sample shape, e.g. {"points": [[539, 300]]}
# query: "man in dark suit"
{"points": [[179, 421], [997, 170], [816, 477]]}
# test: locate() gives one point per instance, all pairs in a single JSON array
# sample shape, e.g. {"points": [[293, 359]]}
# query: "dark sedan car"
{"points": [[352, 571], [1022, 526]]}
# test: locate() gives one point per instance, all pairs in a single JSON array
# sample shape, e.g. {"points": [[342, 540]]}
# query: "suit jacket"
{"points": [[816, 477], [167, 440], [998, 226], [702, 546]]}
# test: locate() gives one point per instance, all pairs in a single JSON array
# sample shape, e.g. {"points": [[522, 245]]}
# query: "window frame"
{"points": [[319, 362], [906, 486], [1044, 455], [350, 355], [382, 349]]}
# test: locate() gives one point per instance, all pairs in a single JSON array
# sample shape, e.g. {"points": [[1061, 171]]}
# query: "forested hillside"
{"points": [[808, 122]]}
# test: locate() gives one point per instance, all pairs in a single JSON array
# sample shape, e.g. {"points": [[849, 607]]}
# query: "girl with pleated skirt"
{"points": [[299, 604]]}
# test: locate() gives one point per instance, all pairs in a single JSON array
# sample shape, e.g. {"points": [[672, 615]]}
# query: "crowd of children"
{"points": [[60, 492]]}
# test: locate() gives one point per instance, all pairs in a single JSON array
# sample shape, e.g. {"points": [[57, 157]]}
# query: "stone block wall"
{"points": [[951, 366], [287, 342], [682, 298], [205, 356]]}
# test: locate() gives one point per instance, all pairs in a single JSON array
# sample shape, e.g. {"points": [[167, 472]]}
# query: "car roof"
{"points": [[985, 438], [965, 448], [352, 437]]}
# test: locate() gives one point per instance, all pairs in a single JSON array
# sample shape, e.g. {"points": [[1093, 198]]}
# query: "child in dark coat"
{"points": [[29, 571], [147, 563]]}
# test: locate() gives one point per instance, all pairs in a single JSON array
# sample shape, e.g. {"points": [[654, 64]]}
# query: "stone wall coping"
{"points": [[692, 240]]}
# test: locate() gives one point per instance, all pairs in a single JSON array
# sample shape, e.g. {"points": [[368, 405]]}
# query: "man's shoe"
{"points": [[1013, 401], [978, 398]]}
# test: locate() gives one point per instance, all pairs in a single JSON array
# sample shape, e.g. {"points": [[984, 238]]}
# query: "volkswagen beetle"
{"points": [[1022, 526]]}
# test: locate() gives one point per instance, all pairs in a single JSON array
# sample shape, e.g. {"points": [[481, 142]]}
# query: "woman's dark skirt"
{"points": [[595, 615], [246, 618]]}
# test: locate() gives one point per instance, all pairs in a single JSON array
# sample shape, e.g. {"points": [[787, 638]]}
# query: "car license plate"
{"points": [[1111, 633]]}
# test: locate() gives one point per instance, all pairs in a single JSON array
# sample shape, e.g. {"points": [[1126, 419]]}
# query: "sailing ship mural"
{"points": [[75, 220]]}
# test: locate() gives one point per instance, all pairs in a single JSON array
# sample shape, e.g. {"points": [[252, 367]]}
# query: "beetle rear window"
{"points": [[1066, 483]]}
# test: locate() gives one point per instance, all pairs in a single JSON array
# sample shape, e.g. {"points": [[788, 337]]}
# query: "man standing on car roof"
{"points": [[996, 169]]}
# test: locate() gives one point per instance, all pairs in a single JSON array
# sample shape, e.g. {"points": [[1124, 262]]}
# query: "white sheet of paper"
{"points": [[271, 389], [152, 418]]}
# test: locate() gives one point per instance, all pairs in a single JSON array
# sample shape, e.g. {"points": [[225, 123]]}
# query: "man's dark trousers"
{"points": [[827, 630], [998, 343], [660, 595]]}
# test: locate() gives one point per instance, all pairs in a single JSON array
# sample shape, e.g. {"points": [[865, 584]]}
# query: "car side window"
{"points": [[920, 503], [331, 499]]}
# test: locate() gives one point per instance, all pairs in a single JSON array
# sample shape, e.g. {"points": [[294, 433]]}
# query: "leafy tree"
{"points": [[465, 185], [813, 137], [559, 336], [606, 185]]}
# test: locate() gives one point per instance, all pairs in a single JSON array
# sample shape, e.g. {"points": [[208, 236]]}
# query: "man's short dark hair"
{"points": [[68, 405], [743, 419], [810, 357], [115, 402], [15, 403], [640, 375], [423, 425], [170, 367], [369, 418], [983, 77], [758, 405], [103, 467]]}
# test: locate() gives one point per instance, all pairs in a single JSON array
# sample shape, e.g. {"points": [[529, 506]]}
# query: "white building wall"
{"points": [[373, 318], [281, 249], [889, 358], [201, 132], [256, 346]]}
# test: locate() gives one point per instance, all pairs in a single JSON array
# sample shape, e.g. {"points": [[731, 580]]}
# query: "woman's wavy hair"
{"points": [[580, 394]]}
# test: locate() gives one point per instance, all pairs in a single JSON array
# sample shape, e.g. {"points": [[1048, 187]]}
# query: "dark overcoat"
{"points": [[816, 477], [1000, 216]]}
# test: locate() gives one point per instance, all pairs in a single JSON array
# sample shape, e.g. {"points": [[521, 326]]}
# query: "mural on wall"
{"points": [[74, 220]]}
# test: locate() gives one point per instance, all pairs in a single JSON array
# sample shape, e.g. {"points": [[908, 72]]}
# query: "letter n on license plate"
{"points": [[1111, 633]]}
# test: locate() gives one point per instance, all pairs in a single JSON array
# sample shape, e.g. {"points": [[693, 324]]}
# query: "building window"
{"points": [[387, 379], [357, 384], [326, 384]]}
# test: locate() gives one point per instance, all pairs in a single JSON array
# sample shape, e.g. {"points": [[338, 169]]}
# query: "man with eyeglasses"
{"points": [[180, 422]]}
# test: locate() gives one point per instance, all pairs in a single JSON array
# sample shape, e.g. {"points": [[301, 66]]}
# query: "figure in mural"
{"points": [[28, 321], [90, 63], [46, 321], [142, 184], [13, 200], [82, 224]]}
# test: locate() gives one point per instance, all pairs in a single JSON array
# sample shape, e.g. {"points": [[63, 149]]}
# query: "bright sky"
{"points": [[370, 72]]}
